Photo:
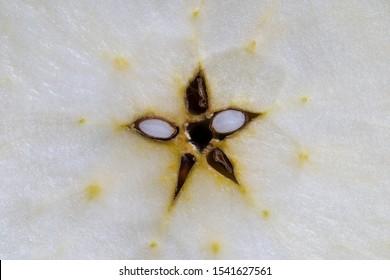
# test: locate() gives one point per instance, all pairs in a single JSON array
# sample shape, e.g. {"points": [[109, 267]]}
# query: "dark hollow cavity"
{"points": [[200, 134], [196, 96], [221, 163], [186, 163]]}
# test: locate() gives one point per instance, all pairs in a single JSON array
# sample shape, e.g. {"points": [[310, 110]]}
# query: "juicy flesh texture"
{"points": [[75, 183]]}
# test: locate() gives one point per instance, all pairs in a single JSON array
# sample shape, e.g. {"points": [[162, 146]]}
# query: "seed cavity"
{"points": [[218, 160], [196, 96], [156, 128], [226, 122], [204, 130], [200, 134], [186, 163]]}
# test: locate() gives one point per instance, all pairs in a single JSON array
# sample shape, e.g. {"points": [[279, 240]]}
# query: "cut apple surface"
{"points": [[312, 171]]}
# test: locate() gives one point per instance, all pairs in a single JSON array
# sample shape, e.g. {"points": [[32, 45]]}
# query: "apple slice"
{"points": [[312, 171]]}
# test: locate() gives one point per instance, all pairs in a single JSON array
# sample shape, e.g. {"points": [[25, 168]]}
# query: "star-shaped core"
{"points": [[204, 130]]}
